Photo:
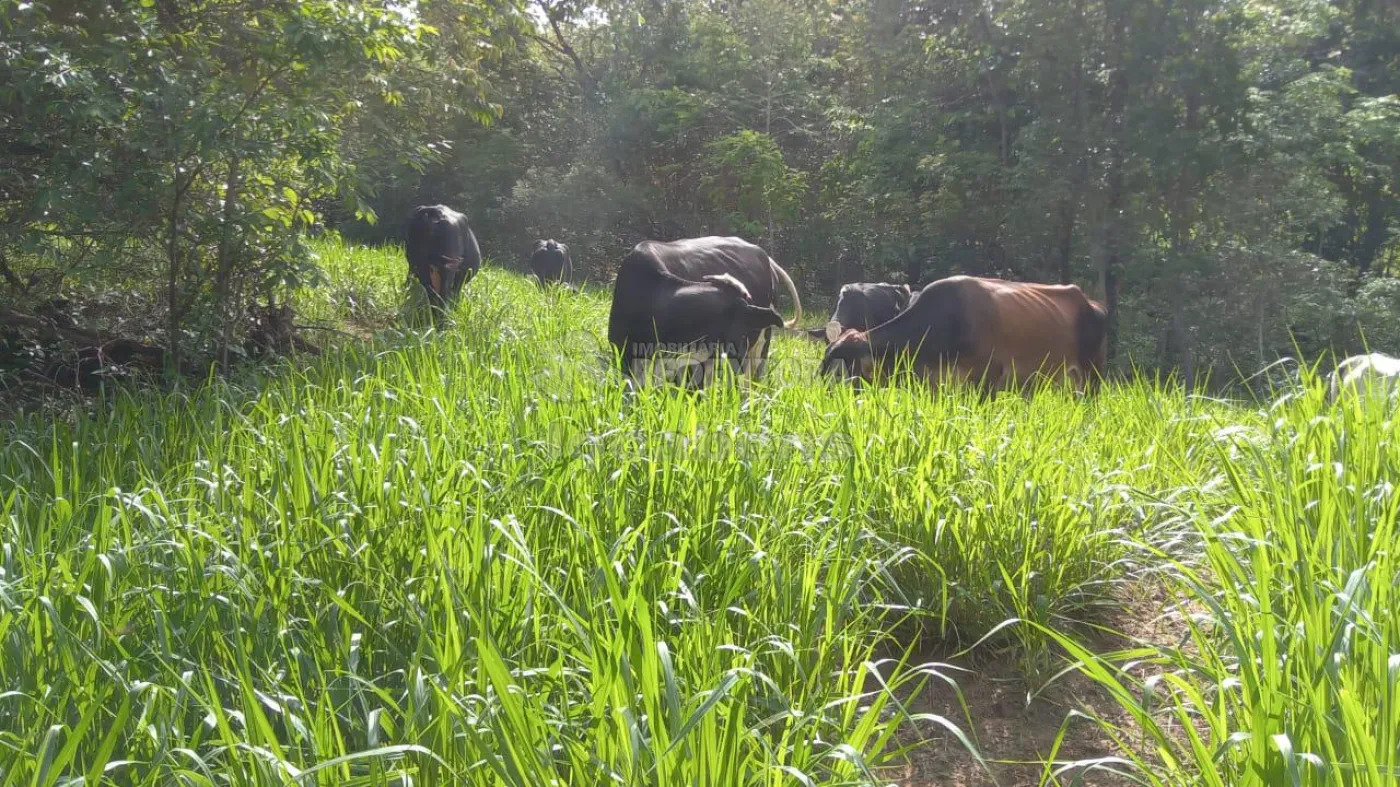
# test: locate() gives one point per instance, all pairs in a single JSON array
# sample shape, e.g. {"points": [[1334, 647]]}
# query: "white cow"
{"points": [[1373, 372]]}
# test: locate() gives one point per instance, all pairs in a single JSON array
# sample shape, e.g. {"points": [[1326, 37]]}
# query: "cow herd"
{"points": [[680, 308]]}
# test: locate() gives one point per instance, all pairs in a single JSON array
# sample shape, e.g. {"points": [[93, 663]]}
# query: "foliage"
{"points": [[206, 134], [748, 176]]}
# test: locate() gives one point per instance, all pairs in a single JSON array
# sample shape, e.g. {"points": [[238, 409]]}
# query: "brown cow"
{"points": [[1000, 334]]}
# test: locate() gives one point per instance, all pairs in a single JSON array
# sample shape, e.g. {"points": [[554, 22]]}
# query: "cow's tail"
{"points": [[1092, 338], [792, 291]]}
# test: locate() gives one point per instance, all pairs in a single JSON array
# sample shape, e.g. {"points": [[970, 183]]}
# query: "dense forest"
{"points": [[1224, 174]]}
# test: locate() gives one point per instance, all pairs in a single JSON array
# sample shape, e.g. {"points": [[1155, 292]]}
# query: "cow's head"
{"points": [[438, 277], [706, 320], [903, 295], [826, 334], [849, 357], [736, 317]]}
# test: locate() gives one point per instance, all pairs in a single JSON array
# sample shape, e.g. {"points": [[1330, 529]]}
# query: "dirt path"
{"points": [[1014, 728], [1015, 723]]}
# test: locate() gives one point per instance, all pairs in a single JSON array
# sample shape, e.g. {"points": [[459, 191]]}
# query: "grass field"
{"points": [[471, 559]]}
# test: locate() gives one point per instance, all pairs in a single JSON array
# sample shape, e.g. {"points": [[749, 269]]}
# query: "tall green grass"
{"points": [[1288, 669], [473, 558]]}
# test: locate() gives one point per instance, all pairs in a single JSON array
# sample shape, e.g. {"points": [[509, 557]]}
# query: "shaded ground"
{"points": [[1016, 723]]}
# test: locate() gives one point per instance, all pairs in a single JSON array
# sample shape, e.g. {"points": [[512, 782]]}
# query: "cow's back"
{"points": [[1005, 332], [695, 258], [865, 305], [550, 261], [1033, 328], [438, 234], [435, 231]]}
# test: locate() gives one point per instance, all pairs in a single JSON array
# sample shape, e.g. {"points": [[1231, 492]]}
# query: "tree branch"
{"points": [[10, 276], [563, 44]]}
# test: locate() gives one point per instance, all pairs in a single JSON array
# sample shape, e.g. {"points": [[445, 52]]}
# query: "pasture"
{"points": [[470, 558]]}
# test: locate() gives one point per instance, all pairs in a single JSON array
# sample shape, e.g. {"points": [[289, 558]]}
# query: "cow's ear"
{"points": [[731, 283], [833, 331]]}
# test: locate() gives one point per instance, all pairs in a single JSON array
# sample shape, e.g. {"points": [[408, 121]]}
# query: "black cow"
{"points": [[550, 262], [442, 252], [698, 298], [862, 306]]}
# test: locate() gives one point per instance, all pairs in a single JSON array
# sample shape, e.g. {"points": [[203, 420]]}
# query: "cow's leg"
{"points": [[633, 363], [1071, 376], [1098, 368], [767, 348], [453, 277], [692, 370], [437, 306], [940, 373], [705, 361], [756, 357], [1085, 379], [660, 369], [1034, 380], [994, 377]]}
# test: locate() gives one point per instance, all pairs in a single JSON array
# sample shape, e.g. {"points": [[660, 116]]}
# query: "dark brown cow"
{"points": [[442, 253], [550, 262], [997, 333], [696, 300]]}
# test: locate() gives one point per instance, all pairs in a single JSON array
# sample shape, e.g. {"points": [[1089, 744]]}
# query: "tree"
{"points": [[750, 185], [204, 132]]}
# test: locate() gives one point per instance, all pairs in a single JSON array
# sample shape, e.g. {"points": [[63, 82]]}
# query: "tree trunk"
{"points": [[1079, 164], [1181, 206], [914, 268], [1374, 234], [1069, 214], [768, 132], [224, 274], [172, 252], [1005, 130], [1118, 86], [9, 276], [1179, 340], [1261, 302]]}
